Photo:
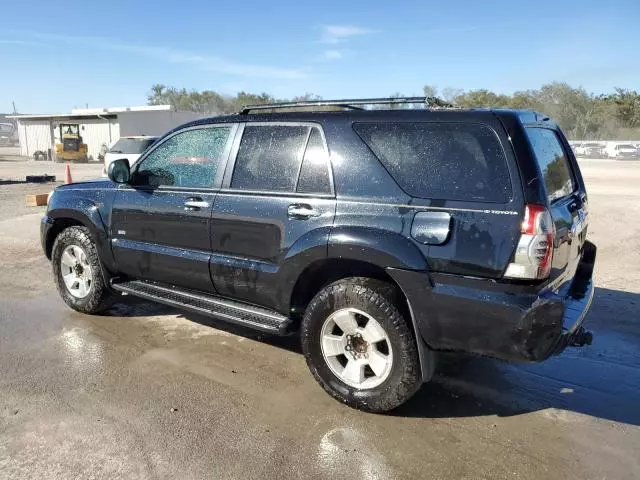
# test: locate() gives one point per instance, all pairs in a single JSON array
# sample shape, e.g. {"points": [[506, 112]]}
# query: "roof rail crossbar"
{"points": [[351, 104]]}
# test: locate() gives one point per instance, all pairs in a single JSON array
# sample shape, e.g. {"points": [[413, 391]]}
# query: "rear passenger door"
{"points": [[277, 205]]}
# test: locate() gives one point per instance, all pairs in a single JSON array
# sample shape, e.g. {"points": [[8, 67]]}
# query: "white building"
{"points": [[98, 126]]}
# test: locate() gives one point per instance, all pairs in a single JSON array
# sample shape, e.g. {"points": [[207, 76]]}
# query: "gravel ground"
{"points": [[147, 392]]}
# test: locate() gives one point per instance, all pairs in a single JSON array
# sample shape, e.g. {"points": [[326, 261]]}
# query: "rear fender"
{"points": [[389, 251], [379, 247]]}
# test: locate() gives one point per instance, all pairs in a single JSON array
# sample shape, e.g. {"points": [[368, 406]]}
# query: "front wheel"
{"points": [[77, 271], [359, 346]]}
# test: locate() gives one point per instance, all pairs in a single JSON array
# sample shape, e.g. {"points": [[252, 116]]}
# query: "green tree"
{"points": [[581, 115]]}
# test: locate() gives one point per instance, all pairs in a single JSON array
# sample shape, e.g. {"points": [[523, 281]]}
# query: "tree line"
{"points": [[582, 115]]}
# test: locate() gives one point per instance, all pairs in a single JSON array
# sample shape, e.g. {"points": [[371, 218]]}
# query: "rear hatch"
{"points": [[566, 200]]}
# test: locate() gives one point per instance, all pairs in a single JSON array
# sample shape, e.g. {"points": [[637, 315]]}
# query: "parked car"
{"points": [[381, 237], [624, 151], [130, 147], [590, 150]]}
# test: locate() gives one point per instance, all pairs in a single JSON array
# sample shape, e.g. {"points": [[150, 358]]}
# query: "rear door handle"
{"points": [[302, 211], [195, 203]]}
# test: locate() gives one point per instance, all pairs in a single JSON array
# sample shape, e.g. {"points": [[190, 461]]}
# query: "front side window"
{"points": [[438, 160], [269, 157], [553, 162], [187, 159]]}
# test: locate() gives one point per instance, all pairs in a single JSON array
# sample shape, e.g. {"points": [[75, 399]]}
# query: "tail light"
{"points": [[534, 252]]}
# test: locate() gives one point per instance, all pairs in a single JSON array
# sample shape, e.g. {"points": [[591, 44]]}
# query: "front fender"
{"points": [[379, 247], [86, 212]]}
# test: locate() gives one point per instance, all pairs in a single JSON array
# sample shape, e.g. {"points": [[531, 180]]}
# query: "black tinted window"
{"points": [[314, 173], [452, 161], [269, 157], [553, 162], [188, 159]]}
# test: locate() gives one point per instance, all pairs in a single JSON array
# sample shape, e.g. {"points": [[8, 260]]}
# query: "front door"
{"points": [[278, 204], [161, 221]]}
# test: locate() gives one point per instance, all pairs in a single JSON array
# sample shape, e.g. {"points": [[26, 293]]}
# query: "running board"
{"points": [[217, 307]]}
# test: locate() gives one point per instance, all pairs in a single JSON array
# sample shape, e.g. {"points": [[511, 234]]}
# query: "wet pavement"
{"points": [[146, 391]]}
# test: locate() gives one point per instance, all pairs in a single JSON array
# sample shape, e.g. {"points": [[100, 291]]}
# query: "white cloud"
{"points": [[329, 55], [200, 61], [21, 42], [338, 33]]}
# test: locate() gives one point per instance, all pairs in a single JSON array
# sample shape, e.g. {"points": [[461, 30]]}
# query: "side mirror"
{"points": [[118, 171]]}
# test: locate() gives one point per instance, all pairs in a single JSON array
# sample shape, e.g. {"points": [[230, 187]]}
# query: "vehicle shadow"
{"points": [[602, 380]]}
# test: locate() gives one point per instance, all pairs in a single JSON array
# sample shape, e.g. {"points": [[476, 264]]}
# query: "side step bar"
{"points": [[217, 307]]}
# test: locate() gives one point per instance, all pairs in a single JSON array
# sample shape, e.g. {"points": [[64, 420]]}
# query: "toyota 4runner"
{"points": [[381, 236]]}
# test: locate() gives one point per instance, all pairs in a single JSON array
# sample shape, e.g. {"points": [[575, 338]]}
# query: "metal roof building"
{"points": [[98, 126]]}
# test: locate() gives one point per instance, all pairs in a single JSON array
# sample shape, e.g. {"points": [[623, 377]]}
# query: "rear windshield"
{"points": [[553, 162], [449, 161], [131, 145]]}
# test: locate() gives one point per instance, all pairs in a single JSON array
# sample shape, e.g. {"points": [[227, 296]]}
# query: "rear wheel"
{"points": [[77, 271], [359, 347]]}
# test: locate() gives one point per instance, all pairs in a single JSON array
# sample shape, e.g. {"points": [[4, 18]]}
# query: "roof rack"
{"points": [[350, 104]]}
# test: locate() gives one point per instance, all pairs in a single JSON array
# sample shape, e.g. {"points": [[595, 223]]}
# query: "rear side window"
{"points": [[314, 173], [552, 161], [449, 161], [269, 157]]}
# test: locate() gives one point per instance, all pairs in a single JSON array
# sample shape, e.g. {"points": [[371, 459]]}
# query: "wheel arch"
{"points": [[67, 211], [324, 272]]}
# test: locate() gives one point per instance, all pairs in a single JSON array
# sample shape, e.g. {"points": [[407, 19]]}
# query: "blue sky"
{"points": [[109, 53]]}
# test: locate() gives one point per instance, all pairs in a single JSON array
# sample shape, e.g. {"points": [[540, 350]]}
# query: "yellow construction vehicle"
{"points": [[70, 147]]}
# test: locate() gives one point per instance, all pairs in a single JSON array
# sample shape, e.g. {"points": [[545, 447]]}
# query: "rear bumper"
{"points": [[512, 322]]}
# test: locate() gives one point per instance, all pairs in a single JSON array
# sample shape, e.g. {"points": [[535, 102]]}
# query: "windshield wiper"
{"points": [[116, 151]]}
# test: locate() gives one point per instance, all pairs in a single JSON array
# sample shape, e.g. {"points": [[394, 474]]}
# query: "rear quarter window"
{"points": [[553, 162], [449, 161]]}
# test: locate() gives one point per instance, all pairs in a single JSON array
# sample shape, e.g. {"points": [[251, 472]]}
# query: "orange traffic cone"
{"points": [[67, 175]]}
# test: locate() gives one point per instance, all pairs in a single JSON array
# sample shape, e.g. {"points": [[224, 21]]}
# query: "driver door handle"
{"points": [[195, 203]]}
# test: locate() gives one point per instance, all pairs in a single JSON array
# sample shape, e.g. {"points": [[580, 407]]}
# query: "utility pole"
{"points": [[14, 107]]}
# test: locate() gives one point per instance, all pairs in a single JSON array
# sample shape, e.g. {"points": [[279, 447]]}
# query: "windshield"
{"points": [[131, 145], [69, 129], [626, 146], [6, 127]]}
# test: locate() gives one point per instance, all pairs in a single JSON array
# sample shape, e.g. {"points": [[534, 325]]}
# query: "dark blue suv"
{"points": [[380, 236]]}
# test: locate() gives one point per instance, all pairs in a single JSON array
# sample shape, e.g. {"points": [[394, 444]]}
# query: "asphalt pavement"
{"points": [[146, 392]]}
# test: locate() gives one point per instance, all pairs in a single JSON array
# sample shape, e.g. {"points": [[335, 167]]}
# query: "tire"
{"points": [[364, 299], [95, 296]]}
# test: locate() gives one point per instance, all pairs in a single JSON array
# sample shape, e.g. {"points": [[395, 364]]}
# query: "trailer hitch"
{"points": [[581, 338]]}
